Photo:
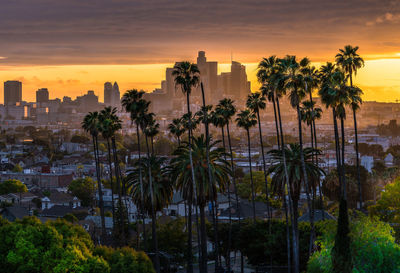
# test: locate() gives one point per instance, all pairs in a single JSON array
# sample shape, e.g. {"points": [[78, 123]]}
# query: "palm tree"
{"points": [[206, 115], [107, 130], [227, 110], [151, 131], [309, 114], [350, 62], [266, 68], [255, 102], [296, 174], [177, 129], [91, 124], [247, 119], [293, 82], [334, 94], [133, 104], [187, 76], [269, 74], [158, 191], [218, 167]]}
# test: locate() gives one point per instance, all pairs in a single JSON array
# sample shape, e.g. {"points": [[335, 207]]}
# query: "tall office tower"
{"points": [[115, 97], [239, 87], [42, 95], [108, 88], [12, 92]]}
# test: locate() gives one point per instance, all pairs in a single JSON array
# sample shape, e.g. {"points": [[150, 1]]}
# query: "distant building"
{"points": [[88, 102], [108, 88], [42, 95], [367, 162], [115, 96], [12, 92]]}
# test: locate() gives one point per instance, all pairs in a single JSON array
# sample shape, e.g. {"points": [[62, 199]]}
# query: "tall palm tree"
{"points": [[293, 82], [158, 191], [218, 166], [206, 115], [151, 131], [247, 119], [91, 125], [266, 68], [334, 94], [350, 62], [133, 104], [107, 130], [177, 129], [269, 74], [227, 110], [256, 102], [309, 114], [187, 76], [296, 174]]}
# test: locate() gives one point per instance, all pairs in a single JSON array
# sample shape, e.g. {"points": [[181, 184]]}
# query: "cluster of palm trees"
{"points": [[199, 168], [106, 124]]}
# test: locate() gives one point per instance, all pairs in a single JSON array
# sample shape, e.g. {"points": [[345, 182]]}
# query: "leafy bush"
{"points": [[373, 248]]}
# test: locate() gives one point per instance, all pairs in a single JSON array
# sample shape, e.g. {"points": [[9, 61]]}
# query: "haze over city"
{"points": [[225, 136], [77, 46]]}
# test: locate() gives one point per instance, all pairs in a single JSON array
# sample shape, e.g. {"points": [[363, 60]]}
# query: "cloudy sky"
{"points": [[72, 46]]}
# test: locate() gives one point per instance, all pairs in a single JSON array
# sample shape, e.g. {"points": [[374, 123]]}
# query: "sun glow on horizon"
{"points": [[379, 79]]}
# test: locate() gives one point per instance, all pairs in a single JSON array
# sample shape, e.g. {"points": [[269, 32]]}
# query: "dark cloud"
{"points": [[156, 31]]}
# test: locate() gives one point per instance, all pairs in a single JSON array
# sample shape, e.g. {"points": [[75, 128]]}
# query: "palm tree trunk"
{"points": [[101, 203], [357, 156], [111, 180], [357, 160], [179, 141], [141, 186], [190, 243], [153, 213], [228, 260], [343, 162], [120, 205], [337, 145], [276, 123], [295, 246], [235, 190], [319, 180], [251, 177], [193, 176], [307, 185], [212, 193], [152, 145], [264, 166]]}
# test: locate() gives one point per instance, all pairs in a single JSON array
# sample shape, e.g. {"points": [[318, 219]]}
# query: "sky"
{"points": [[74, 46]]}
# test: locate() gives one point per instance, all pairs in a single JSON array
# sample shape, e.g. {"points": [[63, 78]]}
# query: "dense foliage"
{"points": [[12, 186], [57, 246], [84, 189], [373, 248]]}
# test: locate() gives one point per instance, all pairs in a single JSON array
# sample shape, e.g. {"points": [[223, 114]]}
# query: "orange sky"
{"points": [[380, 78], [74, 46]]}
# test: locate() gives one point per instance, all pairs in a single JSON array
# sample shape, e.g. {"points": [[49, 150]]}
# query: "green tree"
{"points": [[17, 169], [12, 186], [27, 245], [177, 129], [84, 189]]}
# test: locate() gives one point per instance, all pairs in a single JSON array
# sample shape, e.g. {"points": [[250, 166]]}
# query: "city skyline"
{"points": [[73, 47]]}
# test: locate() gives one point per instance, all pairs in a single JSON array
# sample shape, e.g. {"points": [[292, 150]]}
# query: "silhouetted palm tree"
{"points": [[350, 62], [177, 129], [91, 124], [247, 119], [187, 77], [256, 102], [134, 105]]}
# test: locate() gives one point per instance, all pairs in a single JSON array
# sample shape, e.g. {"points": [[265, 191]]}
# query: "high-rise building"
{"points": [[108, 89], [115, 96], [12, 92], [42, 95]]}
